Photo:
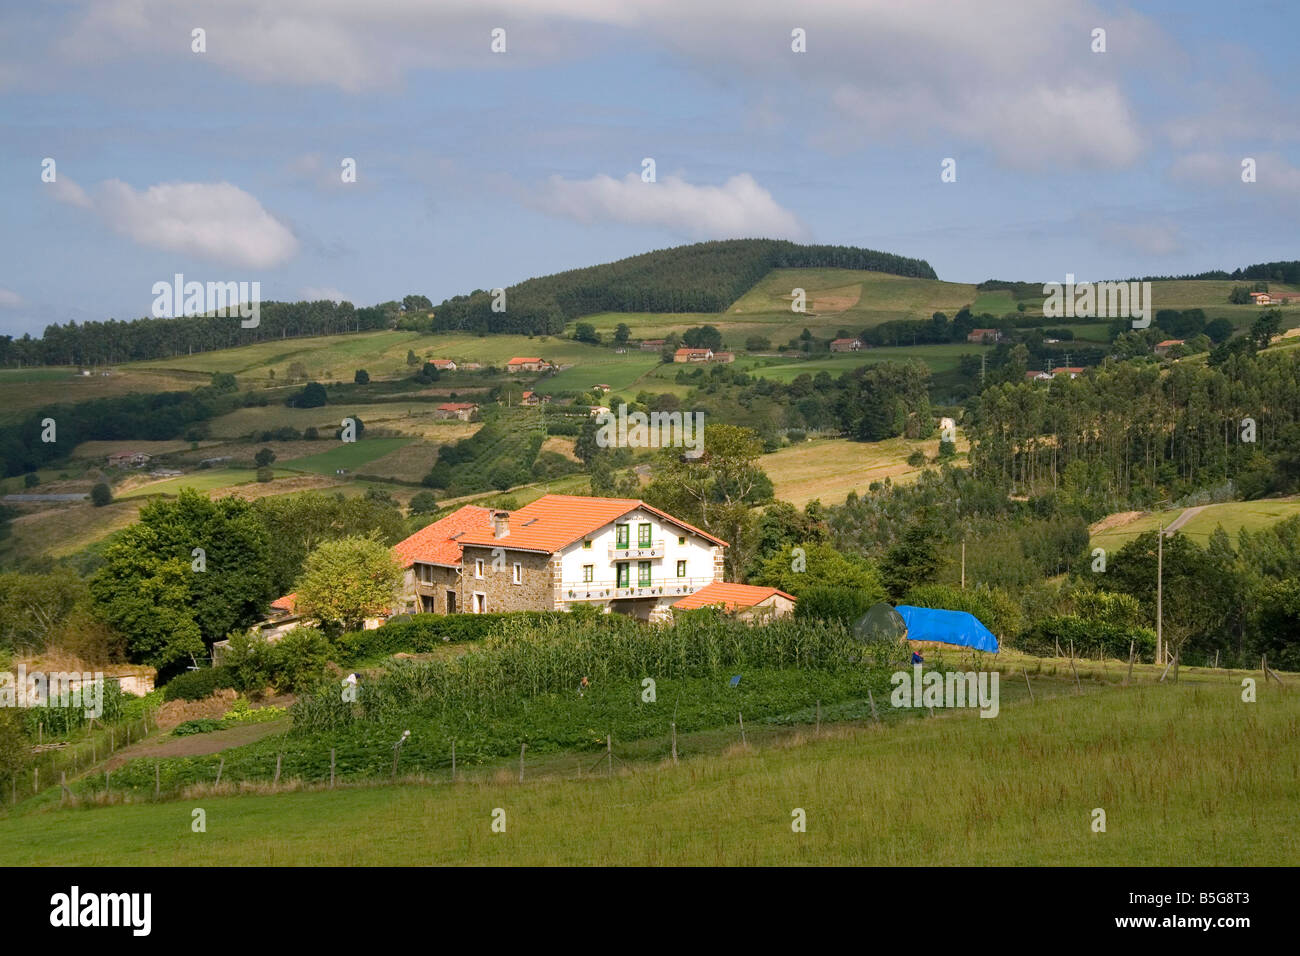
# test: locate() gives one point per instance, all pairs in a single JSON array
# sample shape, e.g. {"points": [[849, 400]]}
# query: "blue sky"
{"points": [[478, 169]]}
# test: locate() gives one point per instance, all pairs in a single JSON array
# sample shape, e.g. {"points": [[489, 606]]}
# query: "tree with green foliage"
{"points": [[348, 580], [312, 396], [798, 568], [264, 458], [423, 503], [622, 334], [913, 560], [362, 377], [187, 573], [101, 494], [586, 332]]}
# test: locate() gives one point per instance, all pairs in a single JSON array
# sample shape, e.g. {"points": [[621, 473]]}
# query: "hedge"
{"points": [[199, 684], [1089, 636], [845, 605], [421, 633]]}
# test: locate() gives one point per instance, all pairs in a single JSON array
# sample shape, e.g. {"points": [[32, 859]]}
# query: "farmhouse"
{"points": [[1165, 347], [846, 345], [745, 601], [600, 388], [652, 345], [984, 337], [723, 357], [599, 410], [1038, 377], [693, 355], [527, 364], [443, 365], [128, 459], [531, 398], [432, 560], [1074, 371], [620, 554], [461, 411], [1261, 298]]}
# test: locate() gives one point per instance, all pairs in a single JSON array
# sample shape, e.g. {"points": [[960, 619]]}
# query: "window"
{"points": [[681, 539], [643, 574], [480, 602], [643, 536], [681, 569], [588, 573], [478, 567], [587, 543], [621, 535], [624, 574], [518, 573]]}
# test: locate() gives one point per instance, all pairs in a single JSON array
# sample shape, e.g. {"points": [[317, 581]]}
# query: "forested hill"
{"points": [[704, 277]]}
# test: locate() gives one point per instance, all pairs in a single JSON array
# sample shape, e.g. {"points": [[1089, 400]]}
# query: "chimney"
{"points": [[500, 524]]}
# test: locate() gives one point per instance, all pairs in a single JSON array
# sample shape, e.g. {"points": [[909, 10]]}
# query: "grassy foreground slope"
{"points": [[1187, 774]]}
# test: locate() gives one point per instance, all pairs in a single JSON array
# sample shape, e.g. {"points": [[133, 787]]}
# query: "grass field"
{"points": [[1187, 774], [1232, 515], [828, 469], [939, 358], [210, 479], [24, 390], [351, 456]]}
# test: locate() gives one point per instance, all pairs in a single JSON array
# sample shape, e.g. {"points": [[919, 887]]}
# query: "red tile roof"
{"points": [[730, 596], [554, 521], [1072, 369], [455, 406], [522, 361], [287, 603], [1160, 345], [439, 543], [692, 352]]}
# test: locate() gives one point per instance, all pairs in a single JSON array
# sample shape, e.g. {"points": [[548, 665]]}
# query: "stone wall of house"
{"points": [[440, 581], [536, 591]]}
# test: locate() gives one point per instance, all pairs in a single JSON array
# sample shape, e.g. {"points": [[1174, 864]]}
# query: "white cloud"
{"points": [[9, 299], [739, 208], [1015, 75], [1274, 174], [216, 221], [67, 191], [313, 293]]}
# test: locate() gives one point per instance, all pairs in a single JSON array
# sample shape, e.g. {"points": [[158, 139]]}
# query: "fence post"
{"points": [[278, 758], [36, 780], [742, 727], [1132, 648], [674, 726], [157, 778], [522, 748], [819, 715], [609, 752], [220, 767], [331, 768], [872, 700], [453, 760], [1028, 685]]}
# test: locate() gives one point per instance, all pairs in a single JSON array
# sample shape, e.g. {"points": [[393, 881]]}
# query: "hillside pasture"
{"points": [[1232, 515], [828, 469]]}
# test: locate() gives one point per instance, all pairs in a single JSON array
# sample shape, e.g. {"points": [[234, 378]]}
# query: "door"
{"points": [[624, 574], [451, 601], [480, 602]]}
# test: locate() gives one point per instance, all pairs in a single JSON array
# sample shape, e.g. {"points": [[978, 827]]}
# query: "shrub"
{"points": [[202, 725], [265, 474], [362, 377], [101, 494], [421, 633], [199, 684], [1089, 636], [31, 480], [845, 605]]}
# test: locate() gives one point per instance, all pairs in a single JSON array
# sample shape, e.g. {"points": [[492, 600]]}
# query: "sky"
{"points": [[478, 168]]}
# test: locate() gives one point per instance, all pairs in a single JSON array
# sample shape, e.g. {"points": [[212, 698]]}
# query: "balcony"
{"points": [[655, 549], [605, 591]]}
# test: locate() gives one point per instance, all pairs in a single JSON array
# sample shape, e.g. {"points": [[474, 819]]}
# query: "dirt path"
{"points": [[195, 745], [1187, 515]]}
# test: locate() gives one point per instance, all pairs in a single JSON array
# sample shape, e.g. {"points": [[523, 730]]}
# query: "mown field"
{"points": [[1187, 774], [1232, 515], [829, 468]]}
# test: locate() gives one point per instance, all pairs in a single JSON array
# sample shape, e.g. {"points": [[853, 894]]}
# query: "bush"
{"points": [[101, 495], [845, 605], [265, 474], [203, 725], [421, 633], [362, 377], [293, 662], [199, 684], [1089, 636], [31, 480]]}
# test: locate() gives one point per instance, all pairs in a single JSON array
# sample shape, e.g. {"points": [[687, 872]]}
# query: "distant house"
{"points": [[532, 398], [527, 364], [128, 459], [846, 345], [600, 388], [1275, 298], [693, 355], [652, 345], [984, 337], [723, 357], [745, 601], [1074, 371], [1261, 298], [443, 365], [462, 411], [599, 410], [1038, 377], [1167, 346]]}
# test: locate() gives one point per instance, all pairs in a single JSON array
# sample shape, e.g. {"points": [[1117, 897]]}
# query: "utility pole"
{"points": [[1160, 588]]}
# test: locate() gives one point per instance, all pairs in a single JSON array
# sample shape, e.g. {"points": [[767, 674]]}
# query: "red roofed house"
{"points": [[527, 364], [1261, 298], [432, 559], [1164, 348], [1074, 371], [984, 336], [563, 550], [746, 601], [652, 345], [532, 398], [443, 365], [693, 355], [1038, 377], [845, 345], [723, 357], [463, 411]]}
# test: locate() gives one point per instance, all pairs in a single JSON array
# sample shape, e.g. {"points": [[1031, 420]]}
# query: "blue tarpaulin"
{"points": [[947, 627]]}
